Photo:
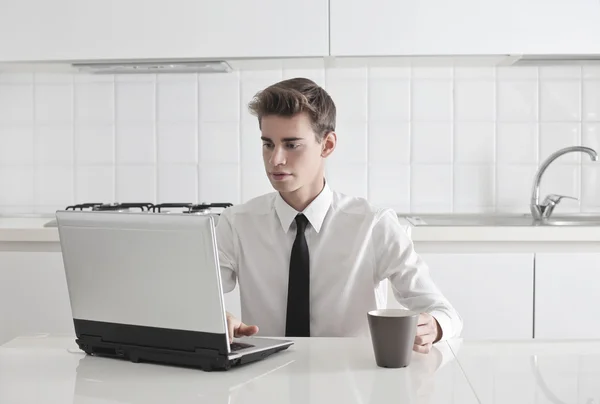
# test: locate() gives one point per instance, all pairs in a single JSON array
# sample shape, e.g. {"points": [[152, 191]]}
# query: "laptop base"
{"points": [[205, 359]]}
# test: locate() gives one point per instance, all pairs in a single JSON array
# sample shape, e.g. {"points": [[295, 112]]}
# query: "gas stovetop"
{"points": [[169, 207]]}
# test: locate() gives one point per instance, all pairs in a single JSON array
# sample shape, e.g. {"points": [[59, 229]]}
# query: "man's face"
{"points": [[291, 153]]}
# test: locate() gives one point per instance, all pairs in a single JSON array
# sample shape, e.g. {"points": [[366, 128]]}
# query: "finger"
{"points": [[422, 348], [424, 318], [230, 329], [424, 339], [247, 330]]}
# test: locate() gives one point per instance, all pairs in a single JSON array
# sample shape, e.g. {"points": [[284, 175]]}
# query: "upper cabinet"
{"points": [[57, 30], [464, 27]]}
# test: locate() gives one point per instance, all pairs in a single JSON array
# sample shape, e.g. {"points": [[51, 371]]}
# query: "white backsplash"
{"points": [[415, 139]]}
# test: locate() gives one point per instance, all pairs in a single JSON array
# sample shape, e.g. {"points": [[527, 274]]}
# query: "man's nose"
{"points": [[278, 156]]}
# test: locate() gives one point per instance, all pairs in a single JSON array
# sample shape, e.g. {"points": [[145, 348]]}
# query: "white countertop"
{"points": [[31, 229], [313, 370], [49, 369]]}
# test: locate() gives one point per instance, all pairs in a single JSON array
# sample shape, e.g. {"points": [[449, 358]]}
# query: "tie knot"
{"points": [[301, 222]]}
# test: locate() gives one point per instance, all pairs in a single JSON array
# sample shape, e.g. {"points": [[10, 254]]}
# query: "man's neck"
{"points": [[302, 197]]}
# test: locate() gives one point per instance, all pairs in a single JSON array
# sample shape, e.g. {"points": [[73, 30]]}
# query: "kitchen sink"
{"points": [[575, 219]]}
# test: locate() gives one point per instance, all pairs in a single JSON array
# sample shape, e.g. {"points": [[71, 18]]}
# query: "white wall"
{"points": [[419, 140]]}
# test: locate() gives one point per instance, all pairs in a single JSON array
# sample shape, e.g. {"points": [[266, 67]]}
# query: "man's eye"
{"points": [[268, 145], [292, 145]]}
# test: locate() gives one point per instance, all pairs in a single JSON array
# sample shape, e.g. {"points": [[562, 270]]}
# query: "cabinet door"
{"points": [[136, 29], [567, 286], [464, 27], [493, 293], [33, 295]]}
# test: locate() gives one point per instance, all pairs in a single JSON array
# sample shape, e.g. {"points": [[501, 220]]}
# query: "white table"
{"points": [[51, 369]]}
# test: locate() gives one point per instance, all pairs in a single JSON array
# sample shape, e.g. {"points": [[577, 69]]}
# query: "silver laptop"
{"points": [[147, 287]]}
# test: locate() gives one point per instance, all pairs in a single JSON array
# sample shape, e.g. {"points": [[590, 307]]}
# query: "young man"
{"points": [[309, 260]]}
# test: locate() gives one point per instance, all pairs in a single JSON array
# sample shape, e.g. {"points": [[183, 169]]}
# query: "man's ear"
{"points": [[328, 144]]}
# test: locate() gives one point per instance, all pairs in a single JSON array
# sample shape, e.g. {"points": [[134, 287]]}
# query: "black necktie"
{"points": [[298, 307]]}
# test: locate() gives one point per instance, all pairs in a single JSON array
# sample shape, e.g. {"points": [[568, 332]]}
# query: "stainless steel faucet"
{"points": [[544, 210]]}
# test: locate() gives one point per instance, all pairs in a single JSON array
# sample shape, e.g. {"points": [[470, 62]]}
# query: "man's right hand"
{"points": [[238, 329]]}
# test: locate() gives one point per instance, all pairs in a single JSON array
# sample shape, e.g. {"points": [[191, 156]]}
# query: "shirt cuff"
{"points": [[445, 324]]}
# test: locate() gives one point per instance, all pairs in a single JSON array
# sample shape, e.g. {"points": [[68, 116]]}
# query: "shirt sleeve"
{"points": [[226, 247], [409, 275]]}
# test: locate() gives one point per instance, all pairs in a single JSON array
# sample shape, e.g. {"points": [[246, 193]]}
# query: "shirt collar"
{"points": [[315, 212]]}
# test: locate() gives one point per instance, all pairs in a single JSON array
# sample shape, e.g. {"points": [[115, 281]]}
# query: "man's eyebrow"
{"points": [[285, 139]]}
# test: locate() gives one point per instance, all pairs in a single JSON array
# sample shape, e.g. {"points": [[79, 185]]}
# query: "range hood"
{"points": [[153, 67]]}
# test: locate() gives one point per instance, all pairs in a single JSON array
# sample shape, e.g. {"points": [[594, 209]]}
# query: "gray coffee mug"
{"points": [[393, 336]]}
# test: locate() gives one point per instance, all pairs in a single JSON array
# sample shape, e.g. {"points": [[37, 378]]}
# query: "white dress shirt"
{"points": [[354, 248]]}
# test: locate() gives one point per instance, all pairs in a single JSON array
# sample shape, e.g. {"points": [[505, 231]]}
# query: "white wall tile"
{"points": [[54, 186], [254, 181], [350, 97], [432, 100], [560, 100], [219, 182], [474, 100], [517, 101], [219, 142], [517, 143], [431, 142], [16, 103], [389, 143], [16, 183], [562, 179], [560, 72], [135, 102], [94, 184], [398, 126], [431, 188], [591, 72], [136, 183], [590, 191], [474, 142], [590, 137], [555, 136], [350, 179], [54, 144], [177, 102], [591, 100], [136, 143], [432, 72], [177, 183], [389, 100], [351, 146], [390, 73], [219, 98], [54, 103], [94, 144], [517, 73], [94, 102], [474, 73], [16, 144], [474, 186], [177, 143], [389, 185], [16, 77], [513, 190], [250, 144]]}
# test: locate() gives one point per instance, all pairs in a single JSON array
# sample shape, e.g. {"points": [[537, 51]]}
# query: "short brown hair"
{"points": [[293, 96]]}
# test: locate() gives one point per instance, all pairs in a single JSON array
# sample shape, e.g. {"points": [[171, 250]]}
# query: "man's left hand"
{"points": [[428, 332]]}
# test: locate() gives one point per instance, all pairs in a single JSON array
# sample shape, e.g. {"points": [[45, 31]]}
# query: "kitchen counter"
{"points": [[51, 369], [30, 234]]}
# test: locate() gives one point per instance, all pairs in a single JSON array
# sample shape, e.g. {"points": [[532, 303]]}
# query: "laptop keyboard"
{"points": [[236, 346]]}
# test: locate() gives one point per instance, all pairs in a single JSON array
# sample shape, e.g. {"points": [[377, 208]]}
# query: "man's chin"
{"points": [[283, 186]]}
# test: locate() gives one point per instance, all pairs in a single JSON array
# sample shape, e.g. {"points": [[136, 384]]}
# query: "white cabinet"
{"points": [[33, 30], [33, 295], [567, 286], [464, 27], [493, 293]]}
